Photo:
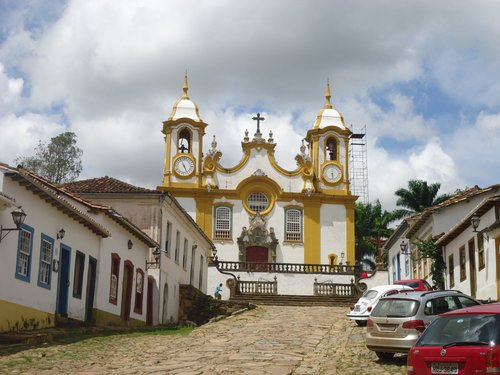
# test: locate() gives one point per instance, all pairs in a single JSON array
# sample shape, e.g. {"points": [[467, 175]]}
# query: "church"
{"points": [[256, 210]]}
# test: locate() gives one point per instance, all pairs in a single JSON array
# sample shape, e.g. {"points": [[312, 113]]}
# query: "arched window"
{"points": [[222, 227], [293, 225], [331, 149], [184, 143]]}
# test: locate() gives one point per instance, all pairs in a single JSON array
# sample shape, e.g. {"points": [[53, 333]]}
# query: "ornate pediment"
{"points": [[257, 234]]}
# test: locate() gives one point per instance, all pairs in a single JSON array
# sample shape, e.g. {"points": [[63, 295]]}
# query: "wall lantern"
{"points": [[474, 221], [403, 246], [130, 244], [156, 257], [61, 233], [215, 260], [18, 216]]}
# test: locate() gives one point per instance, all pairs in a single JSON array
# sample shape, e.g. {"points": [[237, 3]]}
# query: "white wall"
{"points": [[288, 284]]}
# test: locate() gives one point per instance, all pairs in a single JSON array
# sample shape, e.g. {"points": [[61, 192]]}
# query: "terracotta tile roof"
{"points": [[467, 194], [57, 197], [104, 185]]}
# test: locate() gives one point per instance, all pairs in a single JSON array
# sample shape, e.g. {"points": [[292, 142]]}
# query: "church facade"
{"points": [[256, 210]]}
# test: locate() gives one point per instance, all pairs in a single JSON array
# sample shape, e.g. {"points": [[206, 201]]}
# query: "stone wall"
{"points": [[196, 307]]}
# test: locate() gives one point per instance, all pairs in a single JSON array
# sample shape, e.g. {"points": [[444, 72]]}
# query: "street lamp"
{"points": [[215, 260], [61, 233], [18, 216], [156, 262], [404, 246], [474, 221]]}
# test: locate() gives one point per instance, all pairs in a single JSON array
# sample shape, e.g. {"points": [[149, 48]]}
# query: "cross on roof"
{"points": [[258, 119]]}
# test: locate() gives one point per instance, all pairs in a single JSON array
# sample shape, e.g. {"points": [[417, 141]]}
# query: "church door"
{"points": [[258, 254]]}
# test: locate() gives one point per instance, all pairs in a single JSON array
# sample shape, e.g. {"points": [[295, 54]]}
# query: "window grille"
{"points": [[293, 225], [257, 201], [222, 223], [45, 262], [24, 253]]}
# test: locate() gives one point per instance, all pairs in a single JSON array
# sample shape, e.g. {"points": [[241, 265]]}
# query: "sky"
{"points": [[423, 77]]}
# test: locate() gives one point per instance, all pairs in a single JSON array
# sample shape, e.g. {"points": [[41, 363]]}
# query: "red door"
{"points": [[257, 254]]}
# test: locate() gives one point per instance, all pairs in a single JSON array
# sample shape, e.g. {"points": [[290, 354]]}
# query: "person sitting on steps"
{"points": [[218, 291]]}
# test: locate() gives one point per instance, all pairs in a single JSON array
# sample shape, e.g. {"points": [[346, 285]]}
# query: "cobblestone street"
{"points": [[268, 340]]}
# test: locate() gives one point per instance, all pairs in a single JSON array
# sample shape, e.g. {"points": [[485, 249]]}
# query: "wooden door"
{"points": [[472, 268]]}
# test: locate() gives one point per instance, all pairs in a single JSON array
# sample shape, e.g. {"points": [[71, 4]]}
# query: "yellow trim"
{"points": [[312, 233], [292, 206], [247, 148], [166, 164], [225, 204], [190, 190], [324, 180], [204, 214], [14, 317], [199, 167], [256, 184], [104, 318], [350, 239], [188, 156]]}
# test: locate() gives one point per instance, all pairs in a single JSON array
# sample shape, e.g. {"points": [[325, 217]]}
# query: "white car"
{"points": [[361, 310]]}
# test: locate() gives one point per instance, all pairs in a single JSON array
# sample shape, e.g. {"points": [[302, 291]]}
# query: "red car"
{"points": [[463, 342], [416, 284]]}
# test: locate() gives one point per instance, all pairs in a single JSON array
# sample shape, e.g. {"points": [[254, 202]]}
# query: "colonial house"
{"points": [[471, 249], [68, 258], [438, 224], [184, 248], [398, 259]]}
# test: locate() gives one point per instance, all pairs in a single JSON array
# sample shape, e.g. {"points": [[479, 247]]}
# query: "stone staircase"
{"points": [[294, 300]]}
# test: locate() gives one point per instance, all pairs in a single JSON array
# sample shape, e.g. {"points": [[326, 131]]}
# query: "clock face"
{"points": [[332, 173], [184, 165]]}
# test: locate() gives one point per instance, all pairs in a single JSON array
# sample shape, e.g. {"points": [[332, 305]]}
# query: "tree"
{"points": [[370, 222], [427, 249], [59, 161], [417, 197]]}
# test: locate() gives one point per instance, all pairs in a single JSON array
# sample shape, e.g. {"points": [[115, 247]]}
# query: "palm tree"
{"points": [[417, 197], [371, 222]]}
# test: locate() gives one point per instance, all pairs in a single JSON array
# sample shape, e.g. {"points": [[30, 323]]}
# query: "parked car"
{"points": [[465, 341], [361, 310], [416, 284], [396, 323]]}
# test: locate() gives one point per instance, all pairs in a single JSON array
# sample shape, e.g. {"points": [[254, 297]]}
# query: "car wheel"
{"points": [[361, 323], [384, 355]]}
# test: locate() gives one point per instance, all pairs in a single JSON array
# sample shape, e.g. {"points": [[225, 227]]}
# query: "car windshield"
{"points": [[370, 294], [460, 330], [411, 284], [396, 308]]}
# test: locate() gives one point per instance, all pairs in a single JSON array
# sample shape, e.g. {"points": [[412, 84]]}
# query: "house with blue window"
{"points": [[69, 258]]}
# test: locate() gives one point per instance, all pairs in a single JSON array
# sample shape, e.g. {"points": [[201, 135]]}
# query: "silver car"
{"points": [[396, 323]]}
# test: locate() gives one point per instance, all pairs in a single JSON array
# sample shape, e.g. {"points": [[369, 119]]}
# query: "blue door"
{"points": [[63, 287]]}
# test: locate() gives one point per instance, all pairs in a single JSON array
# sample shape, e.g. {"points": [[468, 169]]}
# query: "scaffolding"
{"points": [[358, 165]]}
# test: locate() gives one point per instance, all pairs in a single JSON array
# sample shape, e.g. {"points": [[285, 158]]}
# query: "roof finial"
{"points": [[185, 88], [328, 105]]}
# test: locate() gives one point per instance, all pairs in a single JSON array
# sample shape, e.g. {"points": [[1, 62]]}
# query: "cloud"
{"points": [[110, 72]]}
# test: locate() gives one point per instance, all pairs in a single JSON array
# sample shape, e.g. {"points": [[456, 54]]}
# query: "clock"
{"points": [[184, 166], [332, 173]]}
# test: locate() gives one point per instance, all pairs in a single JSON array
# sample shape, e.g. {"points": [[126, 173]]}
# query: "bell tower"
{"points": [[184, 131], [329, 143]]}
